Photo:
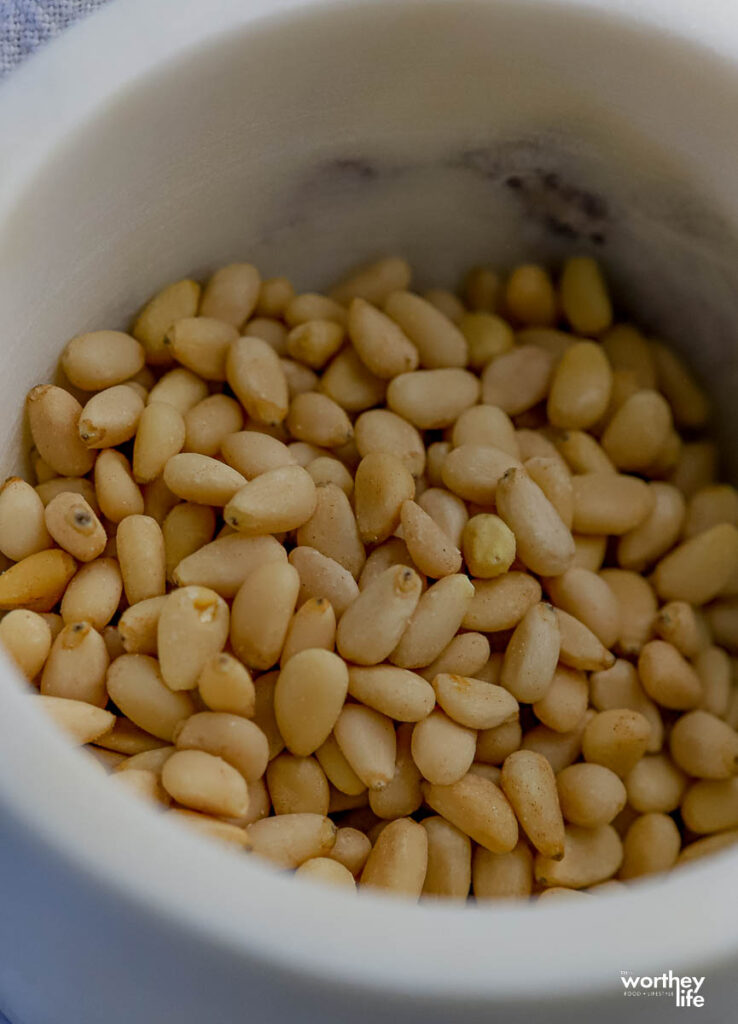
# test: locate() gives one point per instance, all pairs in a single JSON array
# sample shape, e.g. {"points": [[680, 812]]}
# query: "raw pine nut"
{"points": [[252, 453], [486, 425], [402, 795], [210, 422], [473, 471], [591, 855], [554, 479], [110, 417], [443, 749], [326, 872], [277, 500], [501, 603], [313, 306], [288, 840], [351, 849], [26, 639], [531, 655], [580, 388], [620, 687], [350, 384], [590, 552], [710, 506], [258, 380], [723, 623], [638, 431], [657, 533], [134, 682], [264, 717], [337, 769], [559, 748], [628, 350], [297, 785], [716, 676], [699, 568], [474, 703], [332, 529], [434, 623], [179, 388], [367, 741], [201, 479], [488, 545], [588, 598], [101, 359], [430, 548], [530, 296], [584, 296], [686, 398], [436, 455], [327, 470], [616, 739], [144, 785], [466, 655], [186, 529], [494, 745], [380, 430], [236, 740], [391, 552], [53, 416], [590, 794], [502, 876], [201, 344], [529, 784], [655, 784], [319, 420], [231, 293], [711, 805], [82, 722], [313, 626], [482, 288], [651, 844], [375, 281], [543, 542], [142, 558], [488, 337], [382, 484], [313, 679], [36, 582], [637, 608], [438, 341], [398, 861], [299, 378], [75, 527], [449, 860], [261, 614], [610, 503], [479, 809], [582, 453], [205, 783], [161, 435], [563, 706], [695, 468], [708, 845], [431, 399], [225, 684], [157, 316], [314, 342], [388, 602], [395, 692], [117, 492], [321, 576], [138, 626], [704, 746], [274, 295], [192, 628], [126, 737], [668, 677], [23, 529], [225, 563], [381, 345], [93, 594], [518, 380]]}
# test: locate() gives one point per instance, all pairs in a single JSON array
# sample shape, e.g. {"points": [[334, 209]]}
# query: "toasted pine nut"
{"points": [[529, 784], [26, 639], [434, 623], [110, 417], [610, 503], [657, 533], [591, 855], [466, 655], [704, 746], [142, 558], [36, 582], [501, 876], [82, 722], [93, 595], [616, 739], [530, 296], [261, 613], [438, 341], [382, 484], [395, 692], [588, 598], [380, 430], [699, 568], [135, 684], [254, 372], [584, 296], [501, 603], [117, 492], [667, 677], [518, 380], [655, 783], [53, 416], [399, 859], [332, 529], [488, 337], [638, 431], [686, 398], [543, 542], [402, 795], [367, 741], [321, 576], [651, 844], [474, 471], [494, 745], [582, 453], [313, 678], [619, 687], [101, 359], [224, 564], [478, 808], [75, 527], [590, 794], [449, 860], [23, 529]]}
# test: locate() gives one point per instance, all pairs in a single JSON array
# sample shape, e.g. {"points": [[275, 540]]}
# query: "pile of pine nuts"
{"points": [[431, 594]]}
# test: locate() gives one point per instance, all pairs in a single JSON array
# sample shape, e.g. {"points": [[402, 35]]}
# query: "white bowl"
{"points": [[157, 139]]}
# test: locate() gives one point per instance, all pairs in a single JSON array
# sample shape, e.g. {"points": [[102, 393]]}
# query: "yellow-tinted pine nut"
{"points": [[82, 722], [375, 281], [138, 626], [261, 614], [591, 855], [655, 784], [398, 861], [616, 739], [53, 416], [224, 564], [277, 500], [543, 542], [610, 503], [23, 529], [584, 297], [431, 399], [716, 676], [308, 698], [382, 484], [192, 628], [254, 372], [488, 337], [479, 809], [668, 677], [110, 417], [482, 288], [494, 745], [135, 684], [582, 453], [274, 295], [449, 860], [36, 582], [201, 344], [395, 692], [142, 558], [486, 425], [435, 622], [474, 703], [687, 400], [210, 422], [438, 341], [117, 492], [26, 639], [388, 602], [657, 533], [288, 840], [351, 849], [580, 388], [651, 844], [252, 453], [332, 529], [466, 655], [367, 741], [429, 546], [186, 529], [699, 568], [488, 545], [321, 576], [205, 783], [326, 872], [638, 431], [637, 604], [380, 430], [313, 306], [402, 795], [161, 434], [711, 805], [628, 350], [502, 876], [93, 595], [529, 784], [530, 296], [590, 794], [319, 420], [314, 342], [588, 598], [101, 359], [473, 471], [590, 552], [75, 527], [704, 746], [327, 470], [501, 603], [531, 655], [518, 380], [564, 703], [313, 626], [381, 345], [709, 506], [443, 749], [231, 293]]}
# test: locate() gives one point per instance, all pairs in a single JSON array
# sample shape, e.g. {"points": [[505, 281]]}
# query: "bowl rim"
{"points": [[685, 917]]}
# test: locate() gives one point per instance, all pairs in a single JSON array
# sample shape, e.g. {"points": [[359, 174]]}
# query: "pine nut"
{"points": [[402, 795], [466, 655], [332, 529], [699, 568], [657, 533], [488, 337], [380, 430], [395, 692], [655, 783], [667, 677], [543, 542], [686, 398], [620, 687], [381, 345], [704, 746], [75, 527], [529, 784], [350, 384], [258, 380], [474, 471], [389, 602], [531, 655], [588, 598], [117, 492], [449, 860], [382, 484], [616, 739], [264, 716], [584, 296], [443, 749], [590, 856], [502, 876], [367, 741], [261, 613], [225, 563], [23, 529], [36, 582], [326, 872], [76, 665], [610, 503], [82, 722], [398, 861], [590, 794], [434, 623], [323, 577], [26, 638], [530, 296], [438, 341], [564, 703], [638, 431], [374, 282], [636, 607], [351, 849], [582, 453], [651, 844], [518, 380], [478, 808], [142, 558], [252, 454], [277, 500], [474, 703], [501, 603], [429, 546], [313, 679], [134, 682], [110, 417], [205, 783], [494, 745], [711, 805], [101, 359], [53, 416], [431, 399], [161, 434]]}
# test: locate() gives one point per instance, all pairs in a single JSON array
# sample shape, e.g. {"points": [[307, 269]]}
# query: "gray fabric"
{"points": [[27, 24]]}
